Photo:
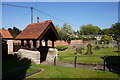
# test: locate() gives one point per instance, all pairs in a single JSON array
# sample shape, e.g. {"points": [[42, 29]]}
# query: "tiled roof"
{"points": [[5, 34], [33, 31]]}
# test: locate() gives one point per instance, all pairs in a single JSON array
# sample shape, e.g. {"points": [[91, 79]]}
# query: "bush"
{"points": [[93, 38], [106, 39], [77, 38], [61, 48]]}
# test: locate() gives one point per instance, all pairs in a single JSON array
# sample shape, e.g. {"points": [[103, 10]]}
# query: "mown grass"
{"points": [[95, 58], [66, 72]]}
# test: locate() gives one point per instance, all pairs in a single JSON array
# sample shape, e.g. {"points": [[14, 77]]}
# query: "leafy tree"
{"points": [[14, 32], [58, 29], [89, 29], [107, 38], [105, 31], [115, 29], [66, 32]]}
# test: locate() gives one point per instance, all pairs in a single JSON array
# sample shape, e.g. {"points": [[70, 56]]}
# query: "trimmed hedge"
{"points": [[61, 48]]}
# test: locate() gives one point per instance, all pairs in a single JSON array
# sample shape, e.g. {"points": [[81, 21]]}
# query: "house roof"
{"points": [[5, 34], [93, 35], [36, 30]]}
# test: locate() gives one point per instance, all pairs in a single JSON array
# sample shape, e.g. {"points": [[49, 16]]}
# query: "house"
{"points": [[8, 39], [76, 34], [98, 37]]}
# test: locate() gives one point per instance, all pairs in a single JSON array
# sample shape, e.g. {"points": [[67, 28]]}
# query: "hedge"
{"points": [[61, 48]]}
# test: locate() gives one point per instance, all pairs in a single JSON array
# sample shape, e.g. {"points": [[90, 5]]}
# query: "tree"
{"points": [[89, 29], [14, 32], [105, 31], [58, 29], [66, 32], [115, 29]]}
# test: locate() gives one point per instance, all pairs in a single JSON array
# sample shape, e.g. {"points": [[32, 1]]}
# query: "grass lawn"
{"points": [[86, 58], [66, 72]]}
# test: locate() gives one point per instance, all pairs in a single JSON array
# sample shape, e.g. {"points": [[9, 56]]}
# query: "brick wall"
{"points": [[56, 43]]}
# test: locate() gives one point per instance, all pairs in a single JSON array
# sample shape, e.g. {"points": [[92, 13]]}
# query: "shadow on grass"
{"points": [[113, 64], [14, 67]]}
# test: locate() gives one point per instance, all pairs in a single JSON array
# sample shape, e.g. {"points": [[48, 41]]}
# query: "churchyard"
{"points": [[95, 58]]}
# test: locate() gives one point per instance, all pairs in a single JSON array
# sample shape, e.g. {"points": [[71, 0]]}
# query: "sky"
{"points": [[101, 14]]}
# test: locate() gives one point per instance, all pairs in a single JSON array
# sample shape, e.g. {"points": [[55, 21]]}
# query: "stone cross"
{"points": [[89, 51], [79, 49]]}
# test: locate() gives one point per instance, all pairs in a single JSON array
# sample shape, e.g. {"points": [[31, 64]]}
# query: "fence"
{"points": [[105, 63]]}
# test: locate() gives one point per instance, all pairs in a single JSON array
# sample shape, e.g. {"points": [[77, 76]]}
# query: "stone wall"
{"points": [[10, 46], [34, 56]]}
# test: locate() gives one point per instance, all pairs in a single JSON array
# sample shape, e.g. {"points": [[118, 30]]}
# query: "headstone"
{"points": [[103, 45], [110, 45], [79, 49], [114, 43], [89, 51], [97, 47]]}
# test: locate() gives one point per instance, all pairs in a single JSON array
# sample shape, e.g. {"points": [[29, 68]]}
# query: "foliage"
{"points": [[77, 38], [106, 38], [89, 29], [93, 38], [57, 29], [115, 29], [14, 32], [105, 31], [66, 32], [61, 48]]}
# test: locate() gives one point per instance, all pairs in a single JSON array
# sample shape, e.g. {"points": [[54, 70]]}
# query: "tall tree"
{"points": [[115, 29], [66, 32], [14, 32], [89, 29]]}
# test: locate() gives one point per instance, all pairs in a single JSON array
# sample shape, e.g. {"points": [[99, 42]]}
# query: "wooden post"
{"points": [[22, 43], [40, 43], [75, 61], [55, 61], [46, 44], [104, 64], [31, 14], [34, 43], [28, 44], [52, 43]]}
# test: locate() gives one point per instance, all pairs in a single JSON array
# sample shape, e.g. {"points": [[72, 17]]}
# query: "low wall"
{"points": [[61, 42], [34, 56]]}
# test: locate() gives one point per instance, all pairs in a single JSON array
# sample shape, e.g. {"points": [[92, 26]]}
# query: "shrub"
{"points": [[61, 48], [77, 38], [93, 38], [106, 39]]}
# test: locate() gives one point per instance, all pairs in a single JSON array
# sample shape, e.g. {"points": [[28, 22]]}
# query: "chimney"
{"points": [[37, 19]]}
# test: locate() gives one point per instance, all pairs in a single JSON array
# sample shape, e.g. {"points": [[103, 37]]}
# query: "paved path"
{"points": [[83, 66]]}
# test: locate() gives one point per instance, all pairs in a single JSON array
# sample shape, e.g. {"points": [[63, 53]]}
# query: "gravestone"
{"points": [[79, 49], [114, 43], [103, 45], [97, 47], [110, 45], [89, 51]]}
